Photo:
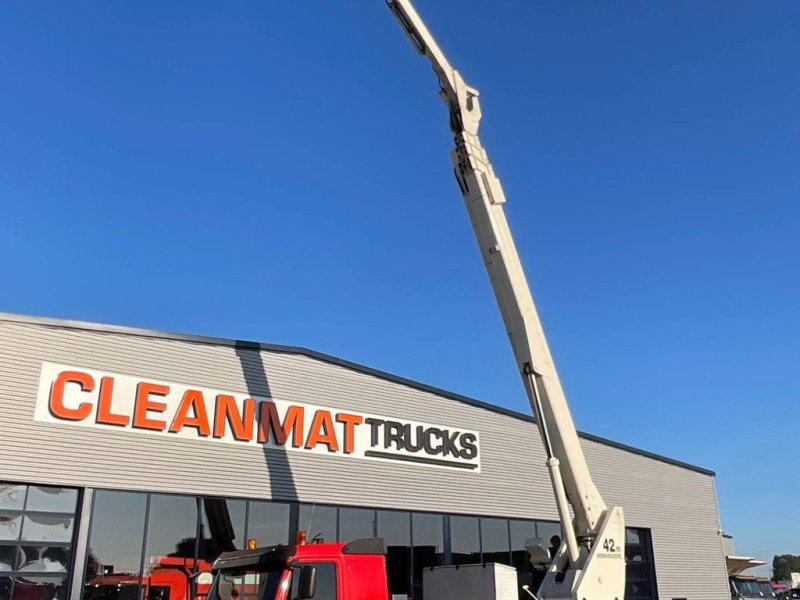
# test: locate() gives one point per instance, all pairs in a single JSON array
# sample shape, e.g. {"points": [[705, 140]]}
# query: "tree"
{"points": [[784, 565]]}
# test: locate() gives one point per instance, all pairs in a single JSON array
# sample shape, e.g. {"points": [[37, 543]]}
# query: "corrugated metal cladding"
{"points": [[675, 502]]}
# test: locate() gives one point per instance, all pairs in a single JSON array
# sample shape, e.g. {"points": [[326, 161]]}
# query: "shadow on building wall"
{"points": [[281, 479]]}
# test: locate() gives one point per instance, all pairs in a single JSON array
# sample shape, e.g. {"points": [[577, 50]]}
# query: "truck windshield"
{"points": [[748, 589], [246, 585], [766, 589], [110, 591]]}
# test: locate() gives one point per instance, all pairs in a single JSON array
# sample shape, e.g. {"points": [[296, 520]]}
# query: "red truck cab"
{"points": [[354, 571]]}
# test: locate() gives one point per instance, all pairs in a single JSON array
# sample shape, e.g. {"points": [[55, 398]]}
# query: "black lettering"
{"points": [[374, 428], [393, 434], [450, 446], [417, 445], [427, 444], [468, 447]]}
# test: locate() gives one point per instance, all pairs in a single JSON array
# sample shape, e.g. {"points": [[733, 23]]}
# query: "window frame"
{"points": [[18, 544]]}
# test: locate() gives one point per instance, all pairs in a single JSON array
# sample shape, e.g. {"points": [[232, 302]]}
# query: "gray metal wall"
{"points": [[676, 503]]}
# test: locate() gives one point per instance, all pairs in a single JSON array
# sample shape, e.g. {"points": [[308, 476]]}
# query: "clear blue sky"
{"points": [[280, 171]]}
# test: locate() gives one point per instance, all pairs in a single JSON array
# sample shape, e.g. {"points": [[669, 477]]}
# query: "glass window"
{"points": [[10, 526], [640, 576], [632, 536], [52, 499], [171, 528], [428, 539], [39, 588], [547, 530], [221, 527], [12, 497], [494, 541], [326, 582], [115, 539], [36, 529], [395, 528], [318, 522], [46, 559], [356, 523], [522, 531], [47, 528], [9, 558], [465, 540], [268, 523]]}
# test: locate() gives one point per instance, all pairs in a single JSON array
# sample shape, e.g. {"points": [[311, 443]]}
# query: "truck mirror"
{"points": [[308, 582]]}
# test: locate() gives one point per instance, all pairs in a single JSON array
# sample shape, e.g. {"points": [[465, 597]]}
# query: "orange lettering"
{"points": [[57, 408], [350, 422], [144, 403], [322, 432], [192, 400], [241, 423], [268, 420], [104, 414]]}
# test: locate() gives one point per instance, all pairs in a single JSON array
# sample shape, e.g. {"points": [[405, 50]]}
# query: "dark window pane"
{"points": [[12, 496], [395, 528], [115, 541], [639, 571], [5, 588], [326, 582], [10, 526], [111, 591], [39, 588], [428, 532], [9, 558], [221, 527], [494, 541], [635, 554], [356, 523], [428, 541], [465, 540], [171, 529], [547, 530], [46, 528], [52, 499], [318, 521], [521, 532], [44, 559], [638, 589], [632, 536], [269, 523], [158, 592]]}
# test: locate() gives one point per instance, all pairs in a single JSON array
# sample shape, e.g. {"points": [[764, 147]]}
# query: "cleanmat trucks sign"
{"points": [[115, 402]]}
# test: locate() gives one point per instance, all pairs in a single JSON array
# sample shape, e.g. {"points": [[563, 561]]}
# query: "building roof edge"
{"points": [[201, 339]]}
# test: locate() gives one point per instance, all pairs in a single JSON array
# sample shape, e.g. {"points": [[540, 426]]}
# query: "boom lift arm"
{"points": [[590, 564]]}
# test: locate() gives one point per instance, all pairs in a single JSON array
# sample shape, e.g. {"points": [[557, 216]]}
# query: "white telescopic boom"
{"points": [[596, 531]]}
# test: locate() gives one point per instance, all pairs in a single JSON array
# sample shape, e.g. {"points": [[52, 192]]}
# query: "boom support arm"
{"points": [[596, 530]]}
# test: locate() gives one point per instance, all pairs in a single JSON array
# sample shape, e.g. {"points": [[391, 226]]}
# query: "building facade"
{"points": [[122, 450]]}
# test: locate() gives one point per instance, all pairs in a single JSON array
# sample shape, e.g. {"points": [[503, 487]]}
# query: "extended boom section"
{"points": [[590, 564]]}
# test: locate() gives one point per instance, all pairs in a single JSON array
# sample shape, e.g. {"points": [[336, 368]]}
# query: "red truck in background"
{"points": [[336, 571], [170, 579]]}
